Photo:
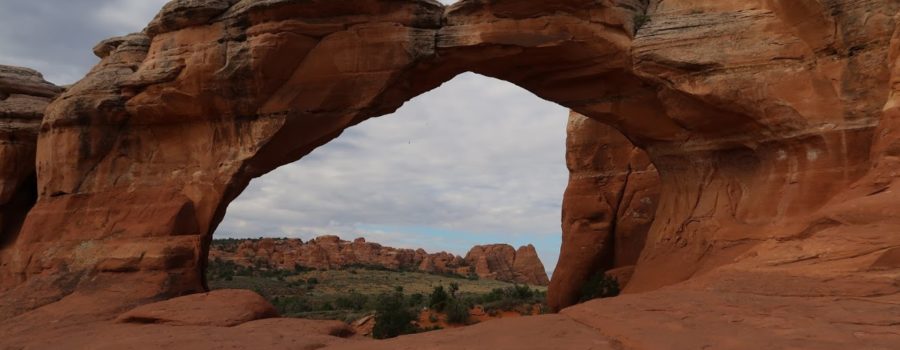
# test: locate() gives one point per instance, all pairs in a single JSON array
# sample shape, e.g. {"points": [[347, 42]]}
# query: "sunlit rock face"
{"points": [[771, 124]]}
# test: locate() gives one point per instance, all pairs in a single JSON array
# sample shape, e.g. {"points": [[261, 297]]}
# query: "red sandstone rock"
{"points": [[608, 207], [23, 96], [220, 308], [330, 252], [528, 268], [503, 263], [772, 124]]}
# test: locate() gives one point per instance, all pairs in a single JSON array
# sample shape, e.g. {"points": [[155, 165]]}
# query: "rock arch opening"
{"points": [[476, 161]]}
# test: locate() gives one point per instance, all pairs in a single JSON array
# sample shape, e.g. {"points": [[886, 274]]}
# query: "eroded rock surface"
{"points": [[502, 262], [608, 208], [219, 308], [772, 125], [24, 94]]}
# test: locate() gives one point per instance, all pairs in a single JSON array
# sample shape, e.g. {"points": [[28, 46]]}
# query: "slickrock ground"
{"points": [[221, 308], [497, 262], [773, 126]]}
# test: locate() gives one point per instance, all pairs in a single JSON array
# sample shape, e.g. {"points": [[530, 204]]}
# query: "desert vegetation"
{"points": [[424, 302]]}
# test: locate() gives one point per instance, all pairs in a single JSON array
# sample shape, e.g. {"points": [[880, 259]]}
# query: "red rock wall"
{"points": [[502, 262], [23, 96], [760, 117], [608, 208], [497, 262]]}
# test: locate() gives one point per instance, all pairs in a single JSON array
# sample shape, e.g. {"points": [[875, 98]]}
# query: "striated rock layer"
{"points": [[24, 94], [772, 125], [330, 252]]}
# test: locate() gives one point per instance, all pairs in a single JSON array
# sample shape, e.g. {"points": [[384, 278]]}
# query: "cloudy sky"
{"points": [[476, 161]]}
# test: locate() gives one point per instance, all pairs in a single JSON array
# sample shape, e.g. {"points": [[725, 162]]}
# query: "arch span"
{"points": [[139, 160]]}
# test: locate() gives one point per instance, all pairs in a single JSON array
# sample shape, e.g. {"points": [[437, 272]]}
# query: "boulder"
{"points": [[220, 308]]}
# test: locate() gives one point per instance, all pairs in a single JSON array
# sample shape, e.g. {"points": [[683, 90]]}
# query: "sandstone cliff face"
{"points": [[504, 263], [772, 125], [608, 208], [24, 94], [528, 268], [330, 252]]}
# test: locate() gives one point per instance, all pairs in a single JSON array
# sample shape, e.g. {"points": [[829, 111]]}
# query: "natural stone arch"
{"points": [[174, 123]]}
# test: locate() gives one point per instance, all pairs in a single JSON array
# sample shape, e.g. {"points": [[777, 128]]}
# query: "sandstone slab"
{"points": [[219, 308]]}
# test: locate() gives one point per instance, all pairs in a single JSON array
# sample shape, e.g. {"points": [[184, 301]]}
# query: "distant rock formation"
{"points": [[503, 263], [497, 261]]}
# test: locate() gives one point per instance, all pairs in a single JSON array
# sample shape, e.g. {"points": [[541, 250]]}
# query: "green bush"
{"points": [[291, 305], [438, 299], [416, 300], [510, 298], [599, 286], [457, 312], [393, 317], [352, 301]]}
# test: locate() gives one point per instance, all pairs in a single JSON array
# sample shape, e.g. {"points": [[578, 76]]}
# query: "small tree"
{"points": [[416, 299], [438, 298], [457, 311], [454, 287], [392, 317]]}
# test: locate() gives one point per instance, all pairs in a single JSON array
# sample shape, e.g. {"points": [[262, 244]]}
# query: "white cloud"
{"points": [[128, 15], [56, 36]]}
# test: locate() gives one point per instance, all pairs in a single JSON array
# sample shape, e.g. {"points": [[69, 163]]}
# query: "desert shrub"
{"points": [[515, 293], [291, 305], [312, 281], [218, 269], [511, 298], [416, 300], [393, 317], [353, 301], [600, 286], [454, 287], [438, 298], [326, 306], [243, 271], [457, 311]]}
